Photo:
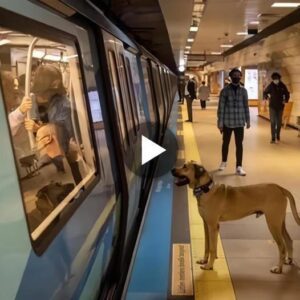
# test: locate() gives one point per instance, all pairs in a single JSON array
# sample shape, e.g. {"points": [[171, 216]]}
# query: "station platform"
{"points": [[171, 239]]}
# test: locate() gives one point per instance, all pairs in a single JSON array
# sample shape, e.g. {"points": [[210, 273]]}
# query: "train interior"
{"points": [[39, 166]]}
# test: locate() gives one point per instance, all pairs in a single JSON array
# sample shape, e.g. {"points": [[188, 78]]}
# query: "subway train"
{"points": [[75, 94]]}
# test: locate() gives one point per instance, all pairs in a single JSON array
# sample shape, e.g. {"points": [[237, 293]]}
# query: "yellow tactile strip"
{"points": [[208, 285]]}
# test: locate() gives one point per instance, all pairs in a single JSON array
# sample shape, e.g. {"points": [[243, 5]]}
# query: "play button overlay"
{"points": [[150, 150]]}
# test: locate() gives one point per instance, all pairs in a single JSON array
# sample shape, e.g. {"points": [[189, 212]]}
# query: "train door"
{"points": [[128, 122], [159, 97], [150, 100], [164, 93]]}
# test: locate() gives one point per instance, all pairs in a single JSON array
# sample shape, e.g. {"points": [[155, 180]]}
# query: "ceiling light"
{"points": [[190, 40], [4, 41], [188, 47], [285, 4], [254, 22], [52, 57], [71, 56], [242, 33], [215, 53], [226, 46], [197, 14], [38, 54], [5, 31], [198, 7], [194, 28], [186, 52], [181, 68]]}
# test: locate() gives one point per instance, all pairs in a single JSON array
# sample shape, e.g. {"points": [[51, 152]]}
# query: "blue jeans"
{"points": [[276, 120]]}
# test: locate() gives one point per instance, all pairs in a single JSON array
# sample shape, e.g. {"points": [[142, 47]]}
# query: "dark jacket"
{"points": [[191, 87], [277, 94]]}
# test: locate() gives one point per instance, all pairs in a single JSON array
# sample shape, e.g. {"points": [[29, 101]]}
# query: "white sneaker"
{"points": [[240, 171], [222, 166]]}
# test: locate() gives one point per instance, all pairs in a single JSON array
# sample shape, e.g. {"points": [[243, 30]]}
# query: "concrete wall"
{"points": [[279, 52]]}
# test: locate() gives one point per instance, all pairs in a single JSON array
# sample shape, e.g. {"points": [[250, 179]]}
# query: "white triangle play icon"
{"points": [[150, 150]]}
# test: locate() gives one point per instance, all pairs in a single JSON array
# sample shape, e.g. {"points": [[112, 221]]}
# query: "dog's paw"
{"points": [[206, 267], [276, 270], [202, 261], [288, 261]]}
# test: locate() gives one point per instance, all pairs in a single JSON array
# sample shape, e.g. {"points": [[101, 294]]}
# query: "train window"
{"points": [[135, 75], [158, 90], [146, 74], [46, 107], [163, 89], [128, 95], [132, 93], [119, 102]]}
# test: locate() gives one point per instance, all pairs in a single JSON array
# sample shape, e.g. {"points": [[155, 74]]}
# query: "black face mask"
{"points": [[235, 80]]}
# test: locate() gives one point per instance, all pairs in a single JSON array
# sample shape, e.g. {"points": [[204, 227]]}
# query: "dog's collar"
{"points": [[199, 190]]}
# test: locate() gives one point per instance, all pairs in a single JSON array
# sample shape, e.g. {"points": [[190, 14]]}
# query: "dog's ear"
{"points": [[199, 171]]}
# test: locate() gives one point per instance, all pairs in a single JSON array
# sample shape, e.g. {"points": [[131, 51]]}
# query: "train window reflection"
{"points": [[147, 76], [119, 103], [43, 93]]}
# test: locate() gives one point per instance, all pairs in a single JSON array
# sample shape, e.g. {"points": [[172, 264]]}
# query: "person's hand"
{"points": [[221, 129], [248, 125], [31, 125], [45, 140], [25, 105]]}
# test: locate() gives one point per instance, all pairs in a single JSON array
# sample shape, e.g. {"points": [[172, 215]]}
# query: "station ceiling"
{"points": [[219, 24], [163, 26]]}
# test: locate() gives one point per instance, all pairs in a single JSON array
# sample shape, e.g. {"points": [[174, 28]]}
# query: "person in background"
{"points": [[277, 94], [192, 88], [16, 110], [181, 89], [203, 94], [227, 81], [233, 114]]}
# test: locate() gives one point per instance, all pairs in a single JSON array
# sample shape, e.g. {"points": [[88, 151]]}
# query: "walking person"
{"points": [[192, 88], [233, 114], [203, 94], [277, 94]]}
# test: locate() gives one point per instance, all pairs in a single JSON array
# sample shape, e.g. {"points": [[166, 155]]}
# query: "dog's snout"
{"points": [[173, 171]]}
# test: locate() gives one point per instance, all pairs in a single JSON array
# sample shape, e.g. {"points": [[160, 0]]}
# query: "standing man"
{"points": [[278, 95], [233, 114], [203, 94], [192, 88], [181, 88]]}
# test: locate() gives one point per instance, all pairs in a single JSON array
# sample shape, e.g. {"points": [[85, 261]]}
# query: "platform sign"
{"points": [[182, 280], [251, 83]]}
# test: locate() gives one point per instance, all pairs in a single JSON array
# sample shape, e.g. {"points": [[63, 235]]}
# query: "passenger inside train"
{"points": [[51, 143]]}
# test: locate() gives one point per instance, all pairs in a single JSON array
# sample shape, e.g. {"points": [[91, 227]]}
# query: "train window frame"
{"points": [[123, 78], [149, 89], [132, 98], [15, 22], [119, 103]]}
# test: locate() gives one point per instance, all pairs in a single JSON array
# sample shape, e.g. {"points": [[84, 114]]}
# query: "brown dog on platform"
{"points": [[218, 203]]}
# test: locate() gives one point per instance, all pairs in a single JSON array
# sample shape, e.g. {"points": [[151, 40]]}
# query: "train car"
{"points": [[75, 94]]}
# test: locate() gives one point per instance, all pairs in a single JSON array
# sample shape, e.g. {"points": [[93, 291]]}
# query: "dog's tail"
{"points": [[292, 204]]}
